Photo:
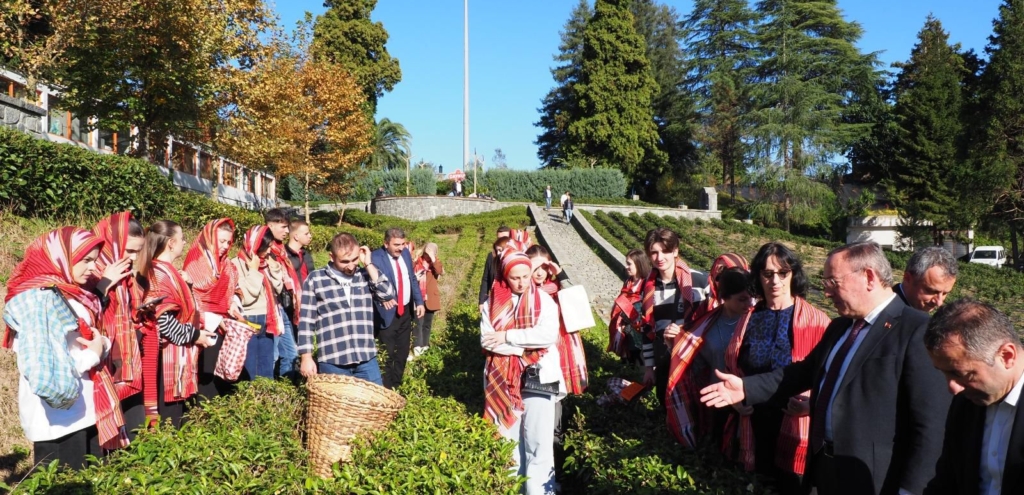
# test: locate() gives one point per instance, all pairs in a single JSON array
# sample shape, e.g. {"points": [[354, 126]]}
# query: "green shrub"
{"points": [[518, 185]]}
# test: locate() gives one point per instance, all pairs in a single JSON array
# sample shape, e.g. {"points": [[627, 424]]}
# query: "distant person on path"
{"points": [[522, 375], [171, 346], [567, 207], [457, 188], [771, 437], [123, 241], [428, 269], [930, 276], [666, 302], [259, 276], [877, 404], [488, 278], [337, 313], [68, 406], [214, 281], [697, 352], [561, 201], [976, 347], [380, 192], [394, 317], [623, 334], [547, 198]]}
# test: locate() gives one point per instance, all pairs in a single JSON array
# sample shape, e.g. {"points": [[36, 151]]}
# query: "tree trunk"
{"points": [[306, 197], [1014, 246], [341, 214]]}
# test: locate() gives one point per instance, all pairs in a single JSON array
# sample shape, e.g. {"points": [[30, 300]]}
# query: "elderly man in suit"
{"points": [[877, 404], [977, 349], [394, 317], [928, 279]]}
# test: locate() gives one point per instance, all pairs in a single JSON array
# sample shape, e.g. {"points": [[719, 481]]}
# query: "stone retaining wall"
{"points": [[25, 117], [615, 260], [430, 207], [661, 212]]}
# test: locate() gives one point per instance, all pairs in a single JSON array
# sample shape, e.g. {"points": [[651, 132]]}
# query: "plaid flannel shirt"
{"points": [[42, 322], [337, 314]]}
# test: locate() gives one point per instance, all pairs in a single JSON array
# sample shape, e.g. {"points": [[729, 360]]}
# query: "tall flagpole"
{"points": [[465, 86]]}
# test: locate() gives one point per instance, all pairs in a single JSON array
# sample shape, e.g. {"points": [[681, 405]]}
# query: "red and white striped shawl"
{"points": [[721, 263], [119, 322], [214, 279], [623, 315], [503, 374], [808, 326], [572, 358]]}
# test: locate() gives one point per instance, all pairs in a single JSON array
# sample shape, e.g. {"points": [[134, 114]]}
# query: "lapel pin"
{"points": [[888, 324]]}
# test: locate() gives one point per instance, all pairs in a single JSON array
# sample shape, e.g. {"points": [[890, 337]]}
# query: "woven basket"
{"points": [[341, 407]]}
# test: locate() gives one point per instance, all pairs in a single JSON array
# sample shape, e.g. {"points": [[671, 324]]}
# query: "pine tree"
{"points": [[672, 106], [347, 37], [920, 177], [615, 92], [559, 105], [720, 56], [808, 77], [1002, 134]]}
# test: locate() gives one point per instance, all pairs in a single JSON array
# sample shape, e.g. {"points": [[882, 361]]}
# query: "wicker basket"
{"points": [[341, 407]]}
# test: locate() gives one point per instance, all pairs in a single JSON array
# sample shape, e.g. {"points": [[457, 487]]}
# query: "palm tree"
{"points": [[391, 146]]}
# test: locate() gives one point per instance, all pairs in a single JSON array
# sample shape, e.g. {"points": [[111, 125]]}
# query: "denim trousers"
{"points": [[366, 370], [259, 353]]}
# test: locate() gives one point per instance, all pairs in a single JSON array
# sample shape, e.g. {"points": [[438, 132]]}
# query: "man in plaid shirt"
{"points": [[337, 313]]}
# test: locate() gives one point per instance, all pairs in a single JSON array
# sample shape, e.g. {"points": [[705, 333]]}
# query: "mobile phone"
{"points": [[151, 303]]}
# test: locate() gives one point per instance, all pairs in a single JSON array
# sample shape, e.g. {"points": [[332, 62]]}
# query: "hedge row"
{"points": [[518, 185], [421, 183]]}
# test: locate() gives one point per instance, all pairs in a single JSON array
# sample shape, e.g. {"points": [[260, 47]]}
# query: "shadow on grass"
{"points": [[10, 462]]}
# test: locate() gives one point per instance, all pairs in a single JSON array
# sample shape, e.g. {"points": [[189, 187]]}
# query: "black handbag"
{"points": [[531, 382]]}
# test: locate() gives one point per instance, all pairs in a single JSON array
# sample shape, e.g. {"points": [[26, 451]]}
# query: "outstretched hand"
{"points": [[725, 393]]}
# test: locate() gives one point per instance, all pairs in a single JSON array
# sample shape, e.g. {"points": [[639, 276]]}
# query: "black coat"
{"points": [[959, 469], [889, 409]]}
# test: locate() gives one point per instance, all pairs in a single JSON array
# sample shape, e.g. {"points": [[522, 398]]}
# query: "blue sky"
{"points": [[511, 50]]}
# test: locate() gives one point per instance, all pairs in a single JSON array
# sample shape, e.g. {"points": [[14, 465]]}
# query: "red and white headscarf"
{"points": [[721, 264], [214, 279], [119, 323], [251, 244]]}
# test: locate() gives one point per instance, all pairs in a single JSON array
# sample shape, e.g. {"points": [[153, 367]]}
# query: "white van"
{"points": [[989, 255]]}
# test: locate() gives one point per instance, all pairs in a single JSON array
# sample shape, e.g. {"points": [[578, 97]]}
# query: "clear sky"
{"points": [[511, 45]]}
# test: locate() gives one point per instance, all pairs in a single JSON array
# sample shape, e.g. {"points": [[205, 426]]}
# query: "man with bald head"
{"points": [[928, 279], [878, 406]]}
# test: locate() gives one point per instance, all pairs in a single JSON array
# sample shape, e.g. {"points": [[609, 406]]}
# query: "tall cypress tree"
{"points": [[720, 55], [1001, 136], [672, 105], [559, 105], [924, 165], [615, 92], [808, 77]]}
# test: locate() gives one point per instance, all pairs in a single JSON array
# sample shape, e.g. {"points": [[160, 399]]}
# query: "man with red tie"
{"points": [[394, 318], [878, 407]]}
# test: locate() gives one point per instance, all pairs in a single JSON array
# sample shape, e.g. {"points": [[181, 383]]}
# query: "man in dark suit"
{"points": [[977, 349], [928, 279], [877, 404], [394, 318]]}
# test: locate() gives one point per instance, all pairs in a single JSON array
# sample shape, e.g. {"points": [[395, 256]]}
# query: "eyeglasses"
{"points": [[833, 282], [769, 275]]}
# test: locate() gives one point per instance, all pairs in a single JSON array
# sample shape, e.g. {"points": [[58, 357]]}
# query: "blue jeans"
{"points": [[259, 353], [568, 216], [285, 348], [547, 203], [367, 370]]}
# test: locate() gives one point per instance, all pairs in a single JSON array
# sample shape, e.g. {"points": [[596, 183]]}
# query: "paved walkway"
{"points": [[577, 259]]}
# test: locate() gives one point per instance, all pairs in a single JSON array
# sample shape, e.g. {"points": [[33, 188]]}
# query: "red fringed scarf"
{"points": [[503, 374], [572, 359], [623, 315], [250, 244], [421, 265], [688, 419], [214, 279], [119, 322], [684, 284], [179, 362], [519, 240], [721, 263], [791, 453], [292, 281], [48, 262]]}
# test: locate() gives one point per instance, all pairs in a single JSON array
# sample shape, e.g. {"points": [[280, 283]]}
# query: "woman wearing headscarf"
{"points": [[427, 269], [123, 239], [259, 278], [174, 335], [550, 278], [771, 438], [214, 281], [721, 263], [66, 398], [623, 338], [522, 376], [699, 350]]}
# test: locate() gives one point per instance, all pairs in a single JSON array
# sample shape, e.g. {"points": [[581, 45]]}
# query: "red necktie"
{"points": [[828, 387], [401, 287]]}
